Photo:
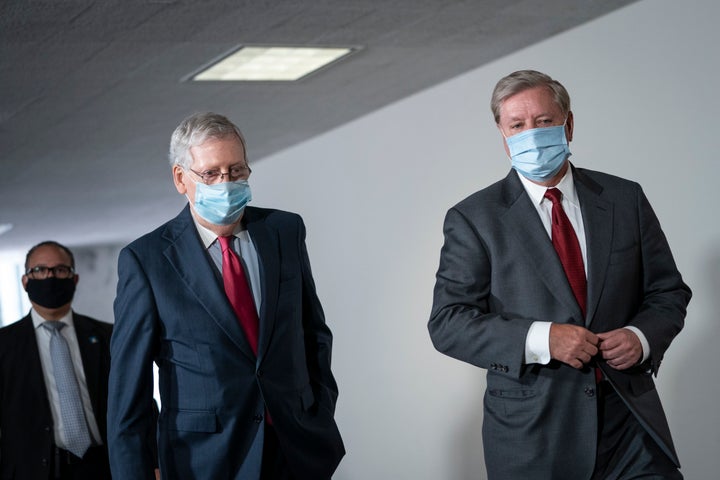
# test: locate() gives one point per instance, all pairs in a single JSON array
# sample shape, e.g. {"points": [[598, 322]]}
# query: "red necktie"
{"points": [[568, 248], [238, 292]]}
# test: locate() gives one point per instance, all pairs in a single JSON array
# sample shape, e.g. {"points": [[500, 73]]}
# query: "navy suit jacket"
{"points": [[26, 423], [499, 273], [171, 309]]}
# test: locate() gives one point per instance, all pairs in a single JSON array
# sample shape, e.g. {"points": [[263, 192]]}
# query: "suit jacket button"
{"points": [[258, 418], [44, 462], [590, 392], [505, 368]]}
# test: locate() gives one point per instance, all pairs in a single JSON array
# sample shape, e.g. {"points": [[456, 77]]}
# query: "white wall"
{"points": [[95, 292], [374, 192]]}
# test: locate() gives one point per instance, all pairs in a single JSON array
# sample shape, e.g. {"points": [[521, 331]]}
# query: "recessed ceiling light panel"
{"points": [[271, 63]]}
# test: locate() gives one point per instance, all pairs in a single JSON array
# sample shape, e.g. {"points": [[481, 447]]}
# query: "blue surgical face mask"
{"points": [[539, 154], [222, 203]]}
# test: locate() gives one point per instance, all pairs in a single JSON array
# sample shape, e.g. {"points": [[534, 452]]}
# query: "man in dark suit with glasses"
{"points": [[53, 418]]}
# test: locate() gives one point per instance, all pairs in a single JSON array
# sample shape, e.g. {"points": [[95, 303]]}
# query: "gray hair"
{"points": [[194, 131], [523, 80]]}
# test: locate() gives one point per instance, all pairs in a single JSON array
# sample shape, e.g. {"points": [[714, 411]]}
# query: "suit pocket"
{"points": [[512, 401], [625, 255], [191, 421], [515, 393]]}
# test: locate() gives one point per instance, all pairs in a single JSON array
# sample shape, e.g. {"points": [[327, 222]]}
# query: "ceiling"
{"points": [[90, 90]]}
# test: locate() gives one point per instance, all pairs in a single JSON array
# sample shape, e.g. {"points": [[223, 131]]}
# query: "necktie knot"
{"points": [[554, 195], [224, 243], [54, 326]]}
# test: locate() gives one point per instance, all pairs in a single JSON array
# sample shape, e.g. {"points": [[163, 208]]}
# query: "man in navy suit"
{"points": [[34, 441], [570, 337], [247, 393]]}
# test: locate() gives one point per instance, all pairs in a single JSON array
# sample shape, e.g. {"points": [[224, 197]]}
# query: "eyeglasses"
{"points": [[41, 272], [239, 172]]}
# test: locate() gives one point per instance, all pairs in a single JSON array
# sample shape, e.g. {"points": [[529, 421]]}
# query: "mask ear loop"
{"points": [[187, 174]]}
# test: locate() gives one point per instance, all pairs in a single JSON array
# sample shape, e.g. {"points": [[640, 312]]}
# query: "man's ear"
{"points": [[178, 175], [569, 125]]}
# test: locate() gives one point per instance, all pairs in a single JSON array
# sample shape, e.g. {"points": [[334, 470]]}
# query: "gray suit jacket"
{"points": [[499, 273]]}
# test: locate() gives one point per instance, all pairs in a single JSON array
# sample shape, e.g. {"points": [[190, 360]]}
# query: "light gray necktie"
{"points": [[77, 436]]}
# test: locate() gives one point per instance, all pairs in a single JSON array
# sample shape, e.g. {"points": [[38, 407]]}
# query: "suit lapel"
{"points": [[186, 254], [90, 352], [268, 250], [28, 348], [598, 219], [534, 244]]}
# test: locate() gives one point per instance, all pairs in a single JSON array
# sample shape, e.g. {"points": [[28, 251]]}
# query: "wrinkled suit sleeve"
{"points": [[131, 419], [463, 324]]}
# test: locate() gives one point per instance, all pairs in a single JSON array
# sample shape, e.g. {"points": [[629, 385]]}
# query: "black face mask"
{"points": [[51, 292]]}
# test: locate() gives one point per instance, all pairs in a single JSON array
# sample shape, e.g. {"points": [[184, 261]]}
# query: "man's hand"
{"points": [[621, 348], [572, 344]]}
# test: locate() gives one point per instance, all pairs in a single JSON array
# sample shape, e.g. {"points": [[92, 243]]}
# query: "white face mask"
{"points": [[222, 203], [539, 153]]}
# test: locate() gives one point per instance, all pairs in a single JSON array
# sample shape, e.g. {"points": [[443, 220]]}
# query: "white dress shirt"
{"points": [[243, 246], [537, 342], [42, 335]]}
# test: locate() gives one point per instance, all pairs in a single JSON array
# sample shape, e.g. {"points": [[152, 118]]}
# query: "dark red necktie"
{"points": [[568, 248], [238, 292]]}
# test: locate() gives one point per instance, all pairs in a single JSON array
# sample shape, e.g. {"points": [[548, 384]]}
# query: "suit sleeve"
{"points": [[462, 323], [318, 338], [133, 347], [665, 296]]}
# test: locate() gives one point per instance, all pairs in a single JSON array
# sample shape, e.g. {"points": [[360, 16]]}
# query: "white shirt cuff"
{"points": [[537, 343]]}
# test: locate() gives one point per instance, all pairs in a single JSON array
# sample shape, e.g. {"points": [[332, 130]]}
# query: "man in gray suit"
{"points": [[570, 334]]}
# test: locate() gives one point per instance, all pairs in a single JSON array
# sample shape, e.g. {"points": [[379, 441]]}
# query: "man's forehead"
{"points": [[538, 101], [49, 252]]}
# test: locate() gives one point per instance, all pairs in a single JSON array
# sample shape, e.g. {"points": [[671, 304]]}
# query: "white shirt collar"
{"points": [[38, 320], [208, 237], [537, 192]]}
